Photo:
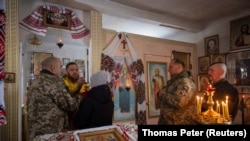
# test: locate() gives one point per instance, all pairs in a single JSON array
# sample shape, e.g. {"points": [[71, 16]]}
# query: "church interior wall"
{"points": [[153, 49], [143, 45]]}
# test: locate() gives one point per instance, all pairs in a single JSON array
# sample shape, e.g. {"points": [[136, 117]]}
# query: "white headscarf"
{"points": [[99, 78]]}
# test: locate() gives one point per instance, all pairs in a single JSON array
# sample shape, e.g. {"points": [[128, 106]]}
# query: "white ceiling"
{"points": [[144, 17]]}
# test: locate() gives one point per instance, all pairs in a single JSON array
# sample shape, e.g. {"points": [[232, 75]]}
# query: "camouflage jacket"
{"points": [[177, 101], [48, 102]]}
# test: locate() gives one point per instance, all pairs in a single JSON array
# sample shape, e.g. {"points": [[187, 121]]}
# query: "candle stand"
{"points": [[210, 116]]}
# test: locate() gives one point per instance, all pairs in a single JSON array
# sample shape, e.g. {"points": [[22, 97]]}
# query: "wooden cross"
{"points": [[124, 46]]}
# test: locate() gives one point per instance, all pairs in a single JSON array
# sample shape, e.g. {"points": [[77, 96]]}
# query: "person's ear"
{"points": [[53, 67], [179, 66], [221, 72]]}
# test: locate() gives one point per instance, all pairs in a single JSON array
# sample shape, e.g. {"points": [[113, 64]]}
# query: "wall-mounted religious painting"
{"points": [[218, 58], [81, 64], [240, 33], [56, 20], [157, 77], [65, 61], [156, 65], [9, 77], [203, 64], [238, 69], [203, 82], [38, 58], [124, 97], [243, 115], [185, 57], [211, 45]]}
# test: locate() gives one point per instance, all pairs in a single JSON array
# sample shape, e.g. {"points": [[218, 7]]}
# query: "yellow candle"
{"points": [[226, 107], [217, 106], [199, 84], [201, 98], [223, 109], [197, 104], [227, 110]]}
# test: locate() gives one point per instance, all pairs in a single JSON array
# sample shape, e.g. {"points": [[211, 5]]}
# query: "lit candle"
{"points": [[199, 84], [197, 104], [226, 108], [201, 98], [227, 111], [217, 106], [223, 109]]}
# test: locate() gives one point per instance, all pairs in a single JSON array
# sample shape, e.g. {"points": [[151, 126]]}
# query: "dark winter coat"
{"points": [[223, 89], [97, 110]]}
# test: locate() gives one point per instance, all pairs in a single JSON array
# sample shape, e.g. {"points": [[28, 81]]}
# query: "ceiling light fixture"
{"points": [[34, 41], [172, 26]]}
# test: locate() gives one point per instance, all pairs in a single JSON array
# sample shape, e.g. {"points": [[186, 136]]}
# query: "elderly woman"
{"points": [[97, 110]]}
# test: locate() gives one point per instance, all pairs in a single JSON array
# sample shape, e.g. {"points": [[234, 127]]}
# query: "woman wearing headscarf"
{"points": [[97, 110]]}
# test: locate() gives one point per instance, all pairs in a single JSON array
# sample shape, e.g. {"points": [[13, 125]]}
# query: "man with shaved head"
{"points": [[217, 75], [48, 101]]}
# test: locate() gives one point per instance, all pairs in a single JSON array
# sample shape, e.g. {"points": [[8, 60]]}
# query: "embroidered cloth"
{"points": [[34, 22]]}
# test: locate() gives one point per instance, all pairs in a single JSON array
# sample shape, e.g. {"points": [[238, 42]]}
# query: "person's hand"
{"points": [[86, 87], [80, 81], [85, 94]]}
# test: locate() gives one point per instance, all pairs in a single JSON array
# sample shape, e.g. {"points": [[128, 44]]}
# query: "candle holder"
{"points": [[60, 44], [127, 88], [210, 116], [210, 111]]}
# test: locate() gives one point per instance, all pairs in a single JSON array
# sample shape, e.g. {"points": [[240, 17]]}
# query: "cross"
{"points": [[124, 46]]}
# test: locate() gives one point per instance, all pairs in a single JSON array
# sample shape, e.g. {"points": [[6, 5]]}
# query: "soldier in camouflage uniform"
{"points": [[48, 101], [177, 98]]}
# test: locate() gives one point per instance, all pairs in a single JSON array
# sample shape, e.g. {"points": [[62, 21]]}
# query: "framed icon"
{"points": [[240, 33], [157, 77], [203, 64], [211, 45], [9, 77], [65, 61], [56, 20], [185, 57], [38, 58]]}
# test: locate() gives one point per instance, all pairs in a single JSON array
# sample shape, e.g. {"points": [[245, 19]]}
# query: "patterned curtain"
{"points": [[2, 47], [34, 22], [113, 65]]}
